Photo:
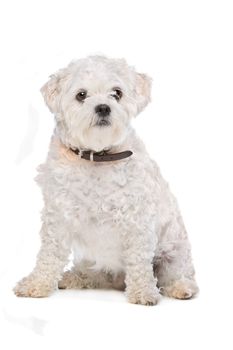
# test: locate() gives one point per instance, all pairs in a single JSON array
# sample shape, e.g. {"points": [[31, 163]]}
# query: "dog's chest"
{"points": [[99, 198], [103, 194], [97, 203], [98, 193]]}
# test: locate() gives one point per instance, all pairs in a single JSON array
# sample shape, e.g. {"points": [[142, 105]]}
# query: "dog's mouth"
{"points": [[103, 122]]}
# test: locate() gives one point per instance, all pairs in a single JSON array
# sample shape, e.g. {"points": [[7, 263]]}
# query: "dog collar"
{"points": [[102, 156]]}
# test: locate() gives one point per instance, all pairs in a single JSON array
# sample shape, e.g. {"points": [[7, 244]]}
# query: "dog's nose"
{"points": [[102, 110]]}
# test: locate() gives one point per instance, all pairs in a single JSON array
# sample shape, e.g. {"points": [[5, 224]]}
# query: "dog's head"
{"points": [[94, 99]]}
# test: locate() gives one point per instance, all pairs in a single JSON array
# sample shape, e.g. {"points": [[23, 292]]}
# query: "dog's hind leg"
{"points": [[173, 264], [79, 278], [175, 273]]}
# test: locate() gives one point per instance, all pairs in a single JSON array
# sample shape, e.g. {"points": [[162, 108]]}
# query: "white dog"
{"points": [[105, 199]]}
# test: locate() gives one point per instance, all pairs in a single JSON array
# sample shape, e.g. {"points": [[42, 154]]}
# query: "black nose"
{"points": [[102, 110]]}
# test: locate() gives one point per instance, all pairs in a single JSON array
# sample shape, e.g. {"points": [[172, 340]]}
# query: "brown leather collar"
{"points": [[102, 156]]}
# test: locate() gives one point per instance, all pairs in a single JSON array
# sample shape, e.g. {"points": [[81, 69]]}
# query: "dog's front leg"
{"points": [[51, 260], [139, 248]]}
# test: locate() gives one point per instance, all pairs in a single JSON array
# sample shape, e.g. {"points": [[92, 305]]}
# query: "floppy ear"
{"points": [[52, 89], [50, 92], [143, 90]]}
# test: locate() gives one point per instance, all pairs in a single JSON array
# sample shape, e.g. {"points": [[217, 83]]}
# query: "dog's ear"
{"points": [[51, 91], [143, 90]]}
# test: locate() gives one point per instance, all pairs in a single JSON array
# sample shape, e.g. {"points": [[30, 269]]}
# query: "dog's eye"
{"points": [[117, 93], [81, 95]]}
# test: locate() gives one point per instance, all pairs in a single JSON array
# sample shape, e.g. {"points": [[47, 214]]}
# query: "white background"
{"points": [[187, 48]]}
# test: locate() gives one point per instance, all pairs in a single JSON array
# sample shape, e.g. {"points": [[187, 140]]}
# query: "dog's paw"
{"points": [[144, 297], [182, 289], [70, 280], [34, 288]]}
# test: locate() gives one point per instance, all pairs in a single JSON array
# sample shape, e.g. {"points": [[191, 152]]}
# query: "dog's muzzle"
{"points": [[103, 111]]}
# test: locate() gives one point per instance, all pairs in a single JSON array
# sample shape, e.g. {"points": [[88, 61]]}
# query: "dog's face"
{"points": [[94, 99]]}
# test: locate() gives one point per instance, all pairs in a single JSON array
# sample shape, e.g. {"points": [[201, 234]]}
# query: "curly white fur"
{"points": [[118, 218]]}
